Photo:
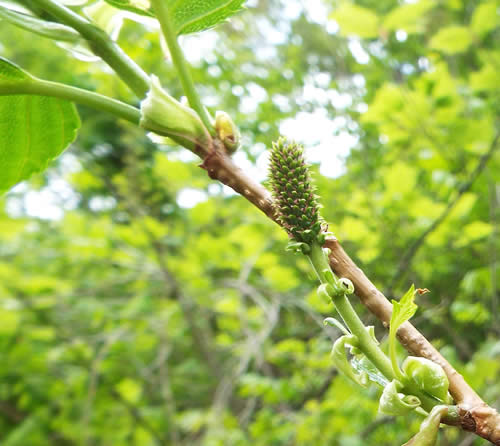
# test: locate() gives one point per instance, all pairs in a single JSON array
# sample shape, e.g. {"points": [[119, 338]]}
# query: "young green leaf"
{"points": [[33, 129], [342, 363], [192, 16], [402, 311], [51, 30]]}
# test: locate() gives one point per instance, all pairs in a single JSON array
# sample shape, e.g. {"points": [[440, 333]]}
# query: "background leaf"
{"points": [[357, 20], [452, 39]]}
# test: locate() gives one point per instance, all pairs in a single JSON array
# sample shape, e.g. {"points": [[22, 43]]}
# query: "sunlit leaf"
{"points": [[354, 19], [33, 129], [485, 18], [452, 39], [409, 17], [129, 389], [187, 16]]}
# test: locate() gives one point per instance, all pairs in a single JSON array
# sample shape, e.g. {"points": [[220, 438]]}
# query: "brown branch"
{"points": [[407, 257], [475, 414]]}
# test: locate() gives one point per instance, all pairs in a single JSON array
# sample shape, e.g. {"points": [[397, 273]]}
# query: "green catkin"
{"points": [[294, 199]]}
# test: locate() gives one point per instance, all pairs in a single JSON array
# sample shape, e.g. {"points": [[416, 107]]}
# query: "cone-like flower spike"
{"points": [[294, 199]]}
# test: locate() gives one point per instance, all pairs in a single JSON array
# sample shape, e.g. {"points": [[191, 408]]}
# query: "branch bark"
{"points": [[475, 415]]}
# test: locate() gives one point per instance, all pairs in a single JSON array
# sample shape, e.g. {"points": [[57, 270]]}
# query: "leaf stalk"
{"points": [[102, 46], [161, 11]]}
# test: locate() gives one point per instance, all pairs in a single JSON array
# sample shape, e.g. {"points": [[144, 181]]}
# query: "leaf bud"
{"points": [[227, 131]]}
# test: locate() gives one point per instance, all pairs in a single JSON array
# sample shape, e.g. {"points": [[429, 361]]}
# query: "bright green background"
{"points": [[132, 320]]}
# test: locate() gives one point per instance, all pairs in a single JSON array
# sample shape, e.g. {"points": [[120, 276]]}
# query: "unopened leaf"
{"points": [[427, 436], [392, 402]]}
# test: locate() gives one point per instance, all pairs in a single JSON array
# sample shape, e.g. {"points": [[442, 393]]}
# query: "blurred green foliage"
{"points": [[131, 318]]}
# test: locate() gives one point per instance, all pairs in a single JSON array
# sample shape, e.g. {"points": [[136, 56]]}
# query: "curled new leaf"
{"points": [[392, 402], [347, 284], [340, 360], [427, 435], [326, 292], [428, 376], [336, 323]]}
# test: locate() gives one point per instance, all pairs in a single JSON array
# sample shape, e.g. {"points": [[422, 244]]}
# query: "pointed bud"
{"points": [[166, 116], [227, 131]]}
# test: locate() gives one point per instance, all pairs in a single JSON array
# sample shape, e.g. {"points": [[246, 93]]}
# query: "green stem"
{"points": [[161, 10], [394, 360], [101, 45], [366, 343], [74, 94]]}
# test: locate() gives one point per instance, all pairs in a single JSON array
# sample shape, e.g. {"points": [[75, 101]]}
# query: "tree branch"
{"points": [[475, 414]]}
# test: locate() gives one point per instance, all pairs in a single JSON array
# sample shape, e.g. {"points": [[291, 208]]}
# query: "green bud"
{"points": [[166, 116], [294, 199], [227, 131], [428, 376]]}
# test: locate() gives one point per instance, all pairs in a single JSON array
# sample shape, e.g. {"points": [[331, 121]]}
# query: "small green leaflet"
{"points": [[33, 129], [402, 311], [187, 16]]}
